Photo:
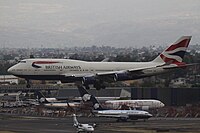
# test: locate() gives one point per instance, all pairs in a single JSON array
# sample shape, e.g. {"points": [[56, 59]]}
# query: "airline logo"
{"points": [[42, 100], [175, 53], [86, 97], [37, 64], [96, 106]]}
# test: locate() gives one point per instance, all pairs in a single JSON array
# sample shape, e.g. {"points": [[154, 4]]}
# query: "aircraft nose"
{"points": [[162, 104], [10, 70], [150, 115]]}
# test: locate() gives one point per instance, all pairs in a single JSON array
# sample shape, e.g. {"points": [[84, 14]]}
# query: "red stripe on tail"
{"points": [[183, 43], [171, 61]]}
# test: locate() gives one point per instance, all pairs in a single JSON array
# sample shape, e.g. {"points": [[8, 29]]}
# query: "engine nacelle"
{"points": [[98, 84], [122, 76], [145, 107], [89, 80]]}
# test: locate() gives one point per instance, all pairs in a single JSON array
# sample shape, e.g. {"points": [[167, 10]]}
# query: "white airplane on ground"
{"points": [[98, 73], [43, 99], [121, 115], [55, 103], [82, 127], [144, 104], [62, 105], [99, 98]]}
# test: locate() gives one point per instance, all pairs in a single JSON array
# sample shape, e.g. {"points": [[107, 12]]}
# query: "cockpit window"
{"points": [[22, 62]]}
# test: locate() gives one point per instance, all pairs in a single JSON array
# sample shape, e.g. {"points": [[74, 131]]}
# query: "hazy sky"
{"points": [[119, 23]]}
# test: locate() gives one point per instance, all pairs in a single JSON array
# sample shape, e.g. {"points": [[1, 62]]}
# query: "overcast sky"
{"points": [[119, 23]]}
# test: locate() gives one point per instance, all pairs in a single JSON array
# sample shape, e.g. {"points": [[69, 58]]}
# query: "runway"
{"points": [[18, 124]]}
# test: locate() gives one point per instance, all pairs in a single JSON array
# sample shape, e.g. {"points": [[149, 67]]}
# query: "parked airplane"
{"points": [[62, 105], [123, 95], [121, 115], [82, 127], [98, 73], [42, 99], [55, 103], [144, 104]]}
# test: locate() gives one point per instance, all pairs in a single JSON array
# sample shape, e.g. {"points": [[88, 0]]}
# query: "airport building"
{"points": [[169, 96]]}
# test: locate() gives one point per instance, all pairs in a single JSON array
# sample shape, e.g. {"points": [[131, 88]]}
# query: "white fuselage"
{"points": [[142, 104], [62, 105], [127, 114], [52, 68], [85, 128]]}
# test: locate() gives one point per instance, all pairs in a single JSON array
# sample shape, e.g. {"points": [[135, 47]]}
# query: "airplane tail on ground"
{"points": [[174, 53], [86, 97], [75, 120]]}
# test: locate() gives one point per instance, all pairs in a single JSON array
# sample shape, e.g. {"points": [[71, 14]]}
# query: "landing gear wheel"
{"points": [[87, 87], [97, 86], [28, 85]]}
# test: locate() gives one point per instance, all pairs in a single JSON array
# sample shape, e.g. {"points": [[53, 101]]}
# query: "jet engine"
{"points": [[98, 84], [122, 76], [89, 80]]}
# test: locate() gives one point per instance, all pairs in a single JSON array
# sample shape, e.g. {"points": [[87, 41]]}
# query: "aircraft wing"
{"points": [[140, 72], [124, 74], [121, 75], [111, 76]]}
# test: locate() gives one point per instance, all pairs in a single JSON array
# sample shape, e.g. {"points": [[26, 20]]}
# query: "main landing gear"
{"points": [[28, 85], [97, 85]]}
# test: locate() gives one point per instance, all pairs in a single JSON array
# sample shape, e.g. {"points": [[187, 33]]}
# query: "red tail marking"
{"points": [[172, 61], [183, 43]]}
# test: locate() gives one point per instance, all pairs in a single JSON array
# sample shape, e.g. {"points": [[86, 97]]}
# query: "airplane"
{"points": [[121, 115], [143, 104], [99, 73], [62, 105], [55, 103], [123, 101], [42, 99], [82, 127]]}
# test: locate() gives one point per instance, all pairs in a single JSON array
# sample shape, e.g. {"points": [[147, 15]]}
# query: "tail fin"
{"points": [[174, 54], [86, 97], [75, 120]]}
